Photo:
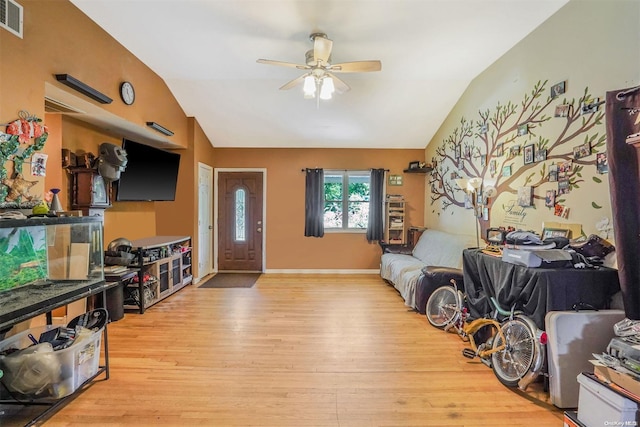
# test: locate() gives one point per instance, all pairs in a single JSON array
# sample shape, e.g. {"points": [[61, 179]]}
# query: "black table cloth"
{"points": [[535, 291]]}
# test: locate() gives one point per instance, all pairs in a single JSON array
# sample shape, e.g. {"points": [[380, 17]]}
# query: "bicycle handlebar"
{"points": [[499, 309]]}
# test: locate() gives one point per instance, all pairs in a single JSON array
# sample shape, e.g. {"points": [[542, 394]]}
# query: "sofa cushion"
{"points": [[441, 249]]}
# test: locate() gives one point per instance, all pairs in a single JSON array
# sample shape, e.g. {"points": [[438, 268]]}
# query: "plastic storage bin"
{"points": [[46, 374], [601, 406]]}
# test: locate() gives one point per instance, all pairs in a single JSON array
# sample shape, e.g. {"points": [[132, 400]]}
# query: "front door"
{"points": [[240, 221]]}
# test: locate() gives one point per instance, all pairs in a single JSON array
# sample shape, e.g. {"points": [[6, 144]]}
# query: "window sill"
{"points": [[345, 230]]}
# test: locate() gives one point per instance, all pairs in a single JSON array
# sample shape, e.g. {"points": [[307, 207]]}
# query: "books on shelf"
{"points": [[395, 198], [114, 269]]}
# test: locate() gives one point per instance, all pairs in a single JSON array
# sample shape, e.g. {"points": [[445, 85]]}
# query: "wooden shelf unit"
{"points": [[394, 224], [164, 267]]}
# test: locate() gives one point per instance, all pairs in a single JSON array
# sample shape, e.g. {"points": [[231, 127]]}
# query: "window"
{"points": [[240, 215], [346, 191]]}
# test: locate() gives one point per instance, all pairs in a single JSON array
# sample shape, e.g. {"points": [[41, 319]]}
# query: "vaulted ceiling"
{"points": [[206, 51]]}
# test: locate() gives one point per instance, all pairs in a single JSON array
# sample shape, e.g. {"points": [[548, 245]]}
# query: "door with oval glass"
{"points": [[240, 221]]}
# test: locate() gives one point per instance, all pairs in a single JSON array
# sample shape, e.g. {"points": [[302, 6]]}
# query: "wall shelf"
{"points": [[418, 170]]}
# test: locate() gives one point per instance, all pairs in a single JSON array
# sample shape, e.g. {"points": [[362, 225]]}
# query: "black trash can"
{"points": [[115, 302]]}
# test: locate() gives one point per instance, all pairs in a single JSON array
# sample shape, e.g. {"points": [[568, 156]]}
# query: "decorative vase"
{"points": [[56, 206]]}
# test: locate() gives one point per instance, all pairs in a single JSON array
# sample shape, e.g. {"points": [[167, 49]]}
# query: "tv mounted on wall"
{"points": [[151, 174]]}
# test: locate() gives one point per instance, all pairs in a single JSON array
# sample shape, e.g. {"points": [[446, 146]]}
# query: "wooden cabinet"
{"points": [[89, 192], [394, 231], [164, 267]]}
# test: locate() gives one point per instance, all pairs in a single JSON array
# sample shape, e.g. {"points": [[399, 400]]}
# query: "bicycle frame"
{"points": [[539, 357], [499, 318], [537, 363]]}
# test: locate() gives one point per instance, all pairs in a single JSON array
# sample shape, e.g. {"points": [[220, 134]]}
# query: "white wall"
{"points": [[593, 46]]}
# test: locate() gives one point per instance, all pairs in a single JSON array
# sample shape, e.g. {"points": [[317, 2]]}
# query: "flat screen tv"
{"points": [[151, 174]]}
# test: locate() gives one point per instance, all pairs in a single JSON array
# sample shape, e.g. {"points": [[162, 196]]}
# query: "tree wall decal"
{"points": [[474, 144]]}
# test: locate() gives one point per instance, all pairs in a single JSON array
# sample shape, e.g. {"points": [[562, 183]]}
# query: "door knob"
{"points": [[259, 230]]}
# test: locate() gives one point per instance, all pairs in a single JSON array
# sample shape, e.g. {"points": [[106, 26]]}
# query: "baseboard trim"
{"points": [[328, 271]]}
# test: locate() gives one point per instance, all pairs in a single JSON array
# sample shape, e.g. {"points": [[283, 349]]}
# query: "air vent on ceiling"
{"points": [[54, 106], [11, 17]]}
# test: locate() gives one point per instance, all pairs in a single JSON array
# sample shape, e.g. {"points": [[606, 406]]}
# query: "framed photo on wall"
{"points": [[540, 155], [528, 154], [557, 89], [395, 180], [523, 129], [582, 150], [562, 110], [525, 196], [550, 198], [553, 172], [601, 163]]}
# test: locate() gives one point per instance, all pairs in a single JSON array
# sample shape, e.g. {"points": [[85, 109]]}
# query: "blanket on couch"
{"points": [[434, 248]]}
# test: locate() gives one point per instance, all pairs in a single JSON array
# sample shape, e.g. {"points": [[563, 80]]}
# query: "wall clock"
{"points": [[127, 93]]}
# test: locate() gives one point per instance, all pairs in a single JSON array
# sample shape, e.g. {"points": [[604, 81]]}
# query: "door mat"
{"points": [[231, 280]]}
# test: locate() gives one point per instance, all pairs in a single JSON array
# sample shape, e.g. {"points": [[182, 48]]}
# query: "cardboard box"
{"points": [[610, 375]]}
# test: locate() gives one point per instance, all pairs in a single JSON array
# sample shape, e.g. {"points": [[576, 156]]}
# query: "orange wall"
{"points": [[53, 179], [179, 218], [132, 220], [58, 38], [286, 246], [203, 152]]}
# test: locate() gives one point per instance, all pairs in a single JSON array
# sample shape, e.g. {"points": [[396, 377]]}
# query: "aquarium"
{"points": [[23, 256], [44, 261]]}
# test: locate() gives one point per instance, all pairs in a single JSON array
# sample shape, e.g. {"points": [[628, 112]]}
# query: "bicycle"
{"points": [[516, 348]]}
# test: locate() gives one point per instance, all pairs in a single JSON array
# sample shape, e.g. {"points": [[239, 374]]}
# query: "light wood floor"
{"points": [[296, 351]]}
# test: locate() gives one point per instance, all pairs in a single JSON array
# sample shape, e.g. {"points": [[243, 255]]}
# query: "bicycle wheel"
{"points": [[516, 358], [443, 307]]}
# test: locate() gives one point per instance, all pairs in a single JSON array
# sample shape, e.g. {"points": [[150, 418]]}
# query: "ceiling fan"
{"points": [[319, 81]]}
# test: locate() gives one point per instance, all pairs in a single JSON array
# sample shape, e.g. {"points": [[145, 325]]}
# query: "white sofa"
{"points": [[403, 269]]}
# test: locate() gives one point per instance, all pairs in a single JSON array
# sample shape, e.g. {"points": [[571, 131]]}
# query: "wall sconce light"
{"points": [[159, 128], [83, 88]]}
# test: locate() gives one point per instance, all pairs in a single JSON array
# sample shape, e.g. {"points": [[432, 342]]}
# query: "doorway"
{"points": [[205, 215], [240, 220]]}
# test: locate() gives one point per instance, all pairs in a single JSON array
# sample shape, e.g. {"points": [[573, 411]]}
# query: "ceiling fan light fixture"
{"points": [[309, 87], [327, 89], [319, 82]]}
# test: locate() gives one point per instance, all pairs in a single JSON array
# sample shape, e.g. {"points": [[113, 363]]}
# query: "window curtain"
{"points": [[624, 185], [314, 203], [376, 199]]}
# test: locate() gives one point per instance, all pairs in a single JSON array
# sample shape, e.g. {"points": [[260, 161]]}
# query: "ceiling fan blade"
{"points": [[295, 82], [340, 85], [283, 64], [357, 67], [322, 49]]}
